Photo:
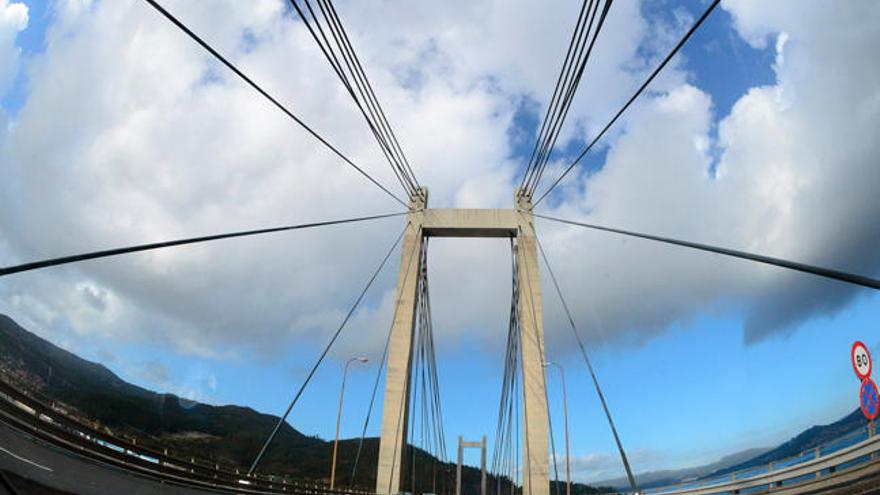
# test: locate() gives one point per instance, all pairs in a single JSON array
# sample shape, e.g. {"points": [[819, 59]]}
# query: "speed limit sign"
{"points": [[861, 360]]}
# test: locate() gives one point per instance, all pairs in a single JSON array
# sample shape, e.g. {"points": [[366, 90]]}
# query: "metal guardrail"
{"points": [[54, 425], [847, 457], [852, 452]]}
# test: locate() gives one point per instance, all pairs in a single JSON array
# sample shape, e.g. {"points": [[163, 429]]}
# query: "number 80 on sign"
{"points": [[861, 360]]}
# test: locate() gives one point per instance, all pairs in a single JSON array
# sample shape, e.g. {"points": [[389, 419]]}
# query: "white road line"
{"points": [[22, 459]]}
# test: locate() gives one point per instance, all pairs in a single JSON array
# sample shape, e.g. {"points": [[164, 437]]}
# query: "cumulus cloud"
{"points": [[13, 19], [796, 179], [151, 139], [130, 133]]}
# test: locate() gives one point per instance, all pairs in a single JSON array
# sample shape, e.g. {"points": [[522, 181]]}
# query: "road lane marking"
{"points": [[22, 459]]}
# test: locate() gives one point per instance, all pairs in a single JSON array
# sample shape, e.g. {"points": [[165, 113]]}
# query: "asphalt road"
{"points": [[29, 466], [50, 470]]}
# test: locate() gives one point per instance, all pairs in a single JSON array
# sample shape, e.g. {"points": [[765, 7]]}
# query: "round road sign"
{"points": [[861, 360], [868, 399]]}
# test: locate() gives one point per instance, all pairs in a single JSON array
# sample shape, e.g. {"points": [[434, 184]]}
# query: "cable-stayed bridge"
{"points": [[523, 442]]}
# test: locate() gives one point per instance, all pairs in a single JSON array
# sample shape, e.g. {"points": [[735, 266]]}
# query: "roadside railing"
{"points": [[54, 424], [852, 451]]}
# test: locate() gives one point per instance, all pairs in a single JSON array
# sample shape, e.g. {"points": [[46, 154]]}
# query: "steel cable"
{"points": [[569, 98], [326, 350], [583, 40], [384, 120], [623, 458], [330, 55], [849, 278], [34, 265], [635, 95], [567, 72], [382, 361], [379, 371], [367, 103], [553, 99], [269, 97]]}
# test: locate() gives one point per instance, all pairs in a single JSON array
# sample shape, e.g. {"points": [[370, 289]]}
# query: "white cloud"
{"points": [[130, 133], [13, 19], [796, 179], [151, 139]]}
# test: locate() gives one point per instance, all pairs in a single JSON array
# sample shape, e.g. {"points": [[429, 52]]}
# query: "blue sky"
{"points": [[684, 391]]}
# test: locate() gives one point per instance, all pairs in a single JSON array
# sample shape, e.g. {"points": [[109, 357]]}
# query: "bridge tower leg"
{"points": [[468, 223], [536, 452], [395, 409]]}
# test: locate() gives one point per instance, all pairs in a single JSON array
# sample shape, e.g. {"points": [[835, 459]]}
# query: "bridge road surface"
{"points": [[29, 466], [61, 472]]}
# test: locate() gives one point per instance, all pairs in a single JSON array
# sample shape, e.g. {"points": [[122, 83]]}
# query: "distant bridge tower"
{"points": [[462, 444], [516, 223]]}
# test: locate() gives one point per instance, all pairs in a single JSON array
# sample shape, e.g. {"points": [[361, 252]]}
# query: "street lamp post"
{"points": [[565, 411], [339, 417]]}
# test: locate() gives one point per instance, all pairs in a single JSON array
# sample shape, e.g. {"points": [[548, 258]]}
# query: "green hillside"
{"points": [[230, 435]]}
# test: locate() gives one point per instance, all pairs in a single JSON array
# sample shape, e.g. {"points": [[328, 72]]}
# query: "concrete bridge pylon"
{"points": [[516, 223]]}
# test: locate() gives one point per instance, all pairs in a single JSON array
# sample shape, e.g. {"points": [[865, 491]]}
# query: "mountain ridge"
{"points": [[228, 434], [810, 438], [231, 434], [662, 477]]}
